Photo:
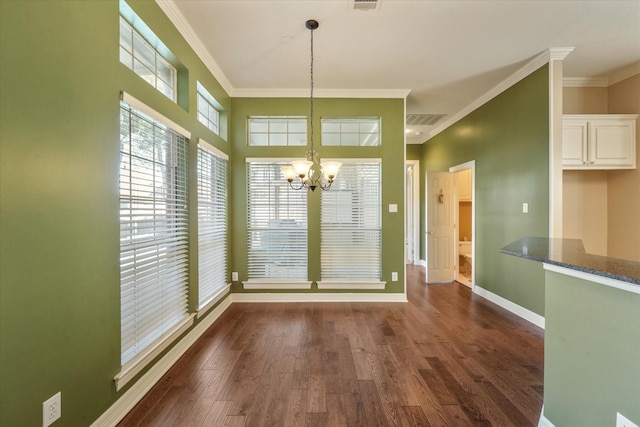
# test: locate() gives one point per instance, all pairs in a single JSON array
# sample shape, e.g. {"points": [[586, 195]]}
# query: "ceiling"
{"points": [[444, 54]]}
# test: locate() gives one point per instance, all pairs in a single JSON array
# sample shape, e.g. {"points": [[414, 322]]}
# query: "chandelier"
{"points": [[311, 173]]}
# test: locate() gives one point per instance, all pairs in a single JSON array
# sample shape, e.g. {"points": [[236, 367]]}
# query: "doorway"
{"points": [[464, 223], [412, 212], [450, 234]]}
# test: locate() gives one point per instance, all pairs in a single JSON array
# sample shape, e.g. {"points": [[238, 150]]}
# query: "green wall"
{"points": [[59, 249], [591, 353], [391, 151], [508, 137]]}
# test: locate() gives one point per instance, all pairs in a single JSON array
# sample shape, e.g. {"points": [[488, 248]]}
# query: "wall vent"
{"points": [[365, 4], [424, 119]]}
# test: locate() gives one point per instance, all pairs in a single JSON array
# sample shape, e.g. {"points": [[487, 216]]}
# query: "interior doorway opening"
{"points": [[464, 219], [412, 212]]}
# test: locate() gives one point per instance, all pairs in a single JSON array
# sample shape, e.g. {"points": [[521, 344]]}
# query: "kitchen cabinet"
{"points": [[599, 141]]}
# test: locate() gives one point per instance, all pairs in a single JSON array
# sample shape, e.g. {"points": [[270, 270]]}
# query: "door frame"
{"points": [[457, 168], [415, 164]]}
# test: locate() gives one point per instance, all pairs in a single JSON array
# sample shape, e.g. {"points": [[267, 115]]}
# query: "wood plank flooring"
{"points": [[446, 358]]}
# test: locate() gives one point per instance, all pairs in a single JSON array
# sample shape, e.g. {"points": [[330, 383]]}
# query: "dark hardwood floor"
{"points": [[446, 358]]}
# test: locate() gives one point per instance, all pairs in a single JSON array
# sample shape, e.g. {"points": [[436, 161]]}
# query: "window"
{"points": [[212, 222], [351, 131], [351, 223], [141, 57], [277, 224], [270, 131], [208, 114], [154, 236]]}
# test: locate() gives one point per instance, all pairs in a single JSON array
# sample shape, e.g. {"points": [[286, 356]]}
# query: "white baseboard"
{"points": [[131, 397], [319, 297], [544, 422], [514, 308], [422, 262]]}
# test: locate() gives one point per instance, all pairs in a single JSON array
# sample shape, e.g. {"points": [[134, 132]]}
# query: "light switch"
{"points": [[393, 208]]}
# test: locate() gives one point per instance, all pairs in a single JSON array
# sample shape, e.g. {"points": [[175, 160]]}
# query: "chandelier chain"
{"points": [[311, 97]]}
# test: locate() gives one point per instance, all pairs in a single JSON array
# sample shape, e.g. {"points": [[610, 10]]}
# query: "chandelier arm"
{"points": [[302, 185]]}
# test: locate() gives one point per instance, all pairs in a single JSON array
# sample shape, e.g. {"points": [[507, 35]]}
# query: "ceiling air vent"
{"points": [[365, 4], [423, 119]]}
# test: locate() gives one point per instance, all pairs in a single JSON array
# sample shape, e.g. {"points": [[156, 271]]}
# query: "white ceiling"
{"points": [[445, 54]]}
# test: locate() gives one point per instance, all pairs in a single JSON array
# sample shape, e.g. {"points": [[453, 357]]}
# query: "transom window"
{"points": [[351, 131], [144, 60], [277, 131], [208, 114]]}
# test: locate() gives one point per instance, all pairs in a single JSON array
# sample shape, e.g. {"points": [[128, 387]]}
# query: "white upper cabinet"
{"points": [[599, 141]]}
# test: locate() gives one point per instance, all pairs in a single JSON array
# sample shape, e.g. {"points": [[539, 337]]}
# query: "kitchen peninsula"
{"points": [[592, 333]]}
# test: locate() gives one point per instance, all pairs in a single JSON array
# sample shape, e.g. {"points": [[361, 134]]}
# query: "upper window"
{"points": [[141, 57], [351, 131], [208, 114], [277, 224], [277, 131]]}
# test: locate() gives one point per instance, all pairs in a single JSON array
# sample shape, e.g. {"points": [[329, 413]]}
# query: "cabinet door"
{"points": [[574, 144], [611, 143]]}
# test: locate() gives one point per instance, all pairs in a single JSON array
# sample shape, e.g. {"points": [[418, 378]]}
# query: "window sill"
{"points": [[137, 364], [276, 284], [351, 284]]}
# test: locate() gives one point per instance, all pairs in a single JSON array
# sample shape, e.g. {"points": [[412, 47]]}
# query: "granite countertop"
{"points": [[570, 253]]}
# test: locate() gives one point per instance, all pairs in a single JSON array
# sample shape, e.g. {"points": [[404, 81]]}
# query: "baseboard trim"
{"points": [[514, 308], [319, 297], [544, 422], [140, 388]]}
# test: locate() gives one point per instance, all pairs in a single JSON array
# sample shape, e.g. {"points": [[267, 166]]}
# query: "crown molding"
{"points": [[321, 93], [585, 82], [179, 21], [624, 73], [552, 54]]}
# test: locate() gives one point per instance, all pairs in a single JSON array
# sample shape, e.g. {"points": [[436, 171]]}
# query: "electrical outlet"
{"points": [[51, 409], [622, 421], [394, 276], [525, 208], [234, 276]]}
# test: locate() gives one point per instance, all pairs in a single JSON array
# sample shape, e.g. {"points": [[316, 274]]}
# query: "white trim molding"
{"points": [[176, 17], [552, 54], [350, 284], [514, 308], [276, 284], [221, 293], [137, 364], [319, 297], [321, 93], [131, 397]]}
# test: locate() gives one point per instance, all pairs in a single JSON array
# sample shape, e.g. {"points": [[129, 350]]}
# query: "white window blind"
{"points": [[154, 231], [277, 224], [351, 222], [212, 222]]}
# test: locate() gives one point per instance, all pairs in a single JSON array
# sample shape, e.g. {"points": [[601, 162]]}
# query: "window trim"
{"points": [[132, 367], [220, 291], [271, 283], [356, 283]]}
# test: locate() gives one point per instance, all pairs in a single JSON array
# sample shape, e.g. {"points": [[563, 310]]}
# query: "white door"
{"points": [[440, 227]]}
